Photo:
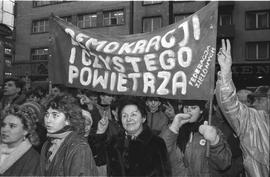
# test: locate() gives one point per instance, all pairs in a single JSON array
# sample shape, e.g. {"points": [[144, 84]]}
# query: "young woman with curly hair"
{"points": [[66, 152], [17, 156]]}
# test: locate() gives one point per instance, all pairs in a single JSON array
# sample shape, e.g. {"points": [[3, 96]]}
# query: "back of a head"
{"points": [[243, 96], [261, 98]]}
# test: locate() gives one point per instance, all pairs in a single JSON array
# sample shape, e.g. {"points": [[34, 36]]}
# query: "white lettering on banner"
{"points": [[85, 58], [181, 85], [149, 82], [122, 80], [186, 34], [202, 68], [140, 46], [72, 55], [150, 62], [167, 40], [111, 47], [166, 76], [119, 81], [86, 73], [169, 60], [196, 27], [113, 81], [184, 62], [153, 42], [167, 44], [135, 77], [154, 62], [102, 80], [73, 73], [118, 62], [126, 47], [134, 62]]}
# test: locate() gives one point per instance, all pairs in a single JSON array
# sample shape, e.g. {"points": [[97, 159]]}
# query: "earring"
{"points": [[24, 138]]}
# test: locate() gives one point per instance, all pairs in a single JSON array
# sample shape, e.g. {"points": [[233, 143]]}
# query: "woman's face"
{"points": [[132, 120], [12, 131], [55, 120], [195, 112]]}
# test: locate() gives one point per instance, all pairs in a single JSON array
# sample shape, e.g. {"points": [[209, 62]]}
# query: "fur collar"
{"points": [[13, 155]]}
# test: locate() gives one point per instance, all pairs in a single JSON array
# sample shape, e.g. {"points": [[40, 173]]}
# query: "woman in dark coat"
{"points": [[17, 155], [136, 151], [66, 152]]}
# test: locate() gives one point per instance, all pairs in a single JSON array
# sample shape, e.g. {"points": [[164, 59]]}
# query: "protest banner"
{"points": [[175, 62]]}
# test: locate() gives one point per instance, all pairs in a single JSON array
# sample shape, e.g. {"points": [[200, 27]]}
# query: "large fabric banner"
{"points": [[175, 62]]}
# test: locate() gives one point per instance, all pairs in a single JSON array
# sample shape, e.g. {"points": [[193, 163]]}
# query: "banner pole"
{"points": [[50, 87], [209, 121]]}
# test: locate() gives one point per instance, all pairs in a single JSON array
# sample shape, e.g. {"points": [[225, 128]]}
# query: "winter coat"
{"points": [[73, 158], [250, 125], [194, 162], [27, 165], [144, 156]]}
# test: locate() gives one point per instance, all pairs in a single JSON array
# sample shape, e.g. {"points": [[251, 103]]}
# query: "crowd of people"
{"points": [[73, 132]]}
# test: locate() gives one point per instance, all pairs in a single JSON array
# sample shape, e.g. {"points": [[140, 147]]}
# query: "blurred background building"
{"points": [[245, 23], [6, 38]]}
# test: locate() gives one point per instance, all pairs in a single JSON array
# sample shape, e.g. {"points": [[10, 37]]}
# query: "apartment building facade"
{"points": [[246, 24]]}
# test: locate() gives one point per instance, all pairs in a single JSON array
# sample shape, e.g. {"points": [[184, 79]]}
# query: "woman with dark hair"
{"points": [[17, 155], [135, 151], [66, 152], [186, 141]]}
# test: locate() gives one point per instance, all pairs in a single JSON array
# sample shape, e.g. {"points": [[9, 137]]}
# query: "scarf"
{"points": [[8, 156], [55, 141]]}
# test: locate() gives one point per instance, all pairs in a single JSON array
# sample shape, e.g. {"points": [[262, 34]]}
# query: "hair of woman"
{"points": [[27, 118], [131, 101], [69, 105]]}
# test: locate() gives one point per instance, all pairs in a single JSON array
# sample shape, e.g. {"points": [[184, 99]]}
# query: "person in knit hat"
{"points": [[38, 112]]}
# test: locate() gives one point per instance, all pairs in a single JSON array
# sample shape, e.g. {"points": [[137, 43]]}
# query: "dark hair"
{"points": [[70, 107], [124, 101], [61, 87], [186, 129], [27, 118], [18, 82]]}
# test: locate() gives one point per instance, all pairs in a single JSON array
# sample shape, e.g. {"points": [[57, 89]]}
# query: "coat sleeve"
{"points": [[220, 154], [175, 154], [81, 162], [250, 125]]}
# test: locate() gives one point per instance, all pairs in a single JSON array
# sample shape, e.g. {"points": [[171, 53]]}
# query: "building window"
{"points": [[111, 18], [179, 17], [39, 54], [7, 13], [151, 2], [41, 3], [151, 24], [87, 21], [257, 50], [257, 20], [46, 3], [225, 19], [67, 19], [40, 26]]}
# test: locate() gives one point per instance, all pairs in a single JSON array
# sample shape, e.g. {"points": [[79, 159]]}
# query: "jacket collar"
{"points": [[145, 135]]}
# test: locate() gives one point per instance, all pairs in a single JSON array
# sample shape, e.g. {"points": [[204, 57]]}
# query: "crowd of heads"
{"points": [[63, 101]]}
